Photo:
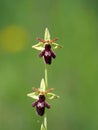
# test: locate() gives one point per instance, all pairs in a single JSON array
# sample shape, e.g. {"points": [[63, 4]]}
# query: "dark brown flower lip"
{"points": [[48, 54], [40, 105]]}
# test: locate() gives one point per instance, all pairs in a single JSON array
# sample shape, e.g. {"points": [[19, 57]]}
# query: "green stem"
{"points": [[45, 121], [46, 85], [44, 124], [46, 76]]}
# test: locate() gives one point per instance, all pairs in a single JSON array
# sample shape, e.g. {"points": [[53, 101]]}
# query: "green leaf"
{"points": [[33, 95], [52, 96], [47, 35], [42, 85]]}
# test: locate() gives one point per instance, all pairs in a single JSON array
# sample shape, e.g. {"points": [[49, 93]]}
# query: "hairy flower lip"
{"points": [[47, 53], [40, 105]]}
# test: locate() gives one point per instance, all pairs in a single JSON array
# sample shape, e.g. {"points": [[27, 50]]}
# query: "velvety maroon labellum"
{"points": [[48, 54], [40, 105]]}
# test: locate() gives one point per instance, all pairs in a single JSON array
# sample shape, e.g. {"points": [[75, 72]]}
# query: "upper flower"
{"points": [[45, 46]]}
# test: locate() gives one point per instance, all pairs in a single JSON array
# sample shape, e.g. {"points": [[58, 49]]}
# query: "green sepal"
{"points": [[47, 35], [33, 95], [42, 85], [38, 46], [52, 96], [56, 46]]}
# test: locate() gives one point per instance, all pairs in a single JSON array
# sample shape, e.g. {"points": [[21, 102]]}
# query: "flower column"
{"points": [[41, 94]]}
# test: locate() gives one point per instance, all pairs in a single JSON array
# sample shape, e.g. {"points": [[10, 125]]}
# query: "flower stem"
{"points": [[44, 124], [46, 77], [46, 86], [45, 121]]}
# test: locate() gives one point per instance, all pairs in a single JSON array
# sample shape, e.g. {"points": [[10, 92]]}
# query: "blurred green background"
{"points": [[73, 73]]}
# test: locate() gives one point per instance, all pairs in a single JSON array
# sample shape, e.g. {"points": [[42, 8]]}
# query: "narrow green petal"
{"points": [[47, 35]]}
